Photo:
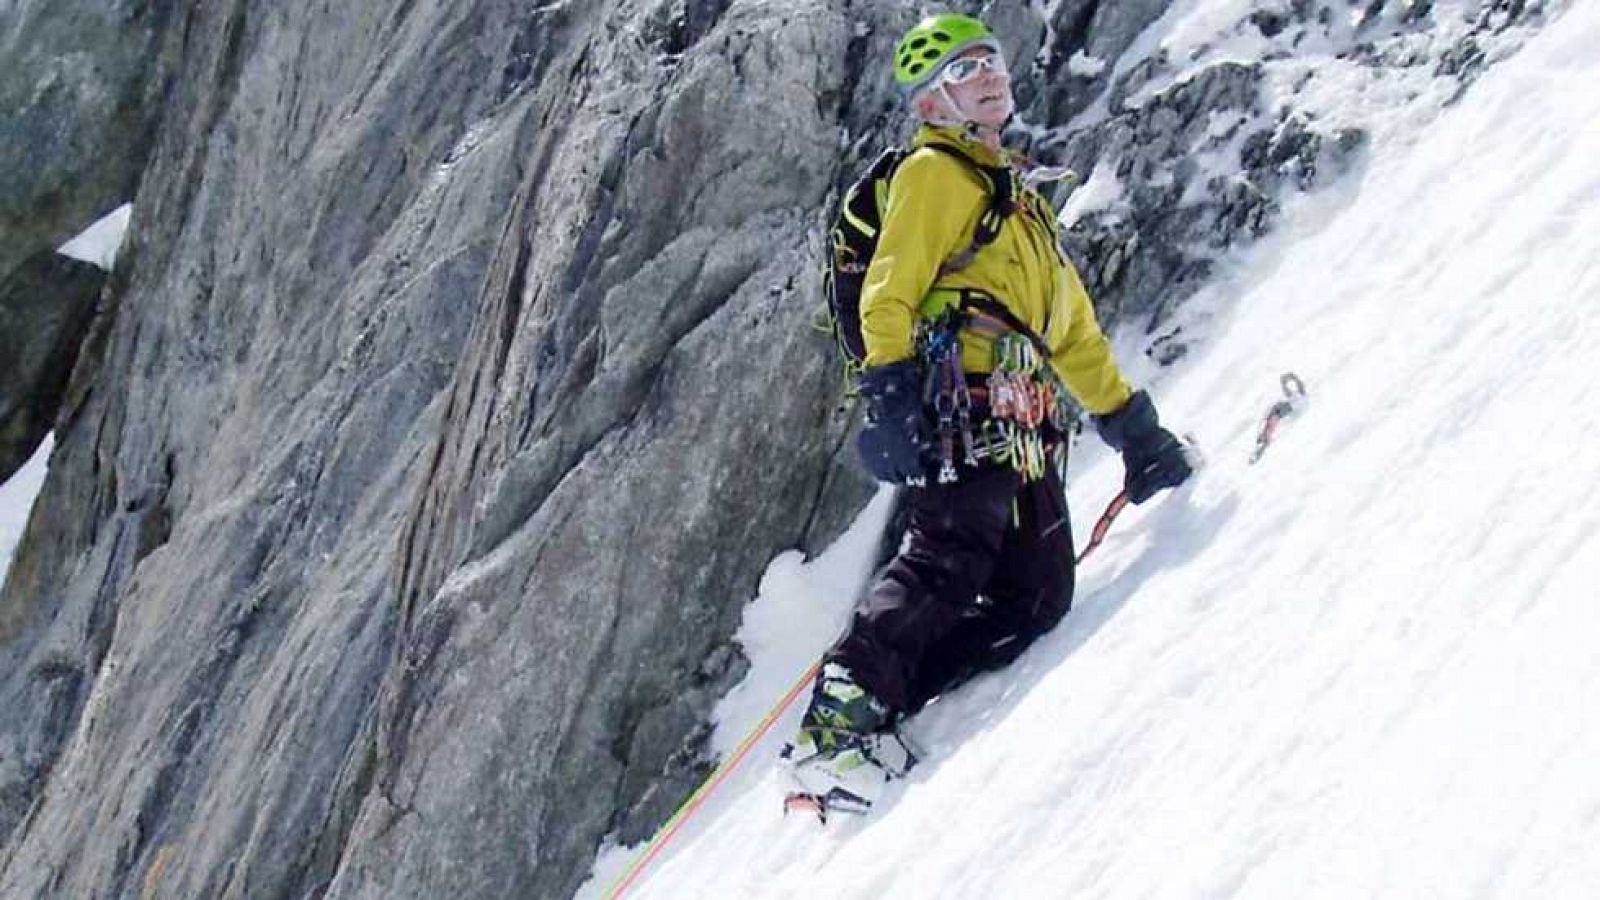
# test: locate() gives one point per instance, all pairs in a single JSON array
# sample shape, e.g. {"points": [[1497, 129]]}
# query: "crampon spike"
{"points": [[835, 800], [806, 803]]}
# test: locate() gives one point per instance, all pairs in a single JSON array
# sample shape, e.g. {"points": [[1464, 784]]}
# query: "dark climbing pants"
{"points": [[986, 569]]}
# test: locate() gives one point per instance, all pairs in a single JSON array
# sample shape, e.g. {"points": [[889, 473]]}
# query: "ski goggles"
{"points": [[966, 68]]}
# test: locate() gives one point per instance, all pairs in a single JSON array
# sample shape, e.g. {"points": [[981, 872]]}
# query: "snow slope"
{"points": [[16, 501], [1367, 666]]}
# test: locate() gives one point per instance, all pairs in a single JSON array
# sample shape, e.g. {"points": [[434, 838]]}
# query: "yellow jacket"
{"points": [[933, 207]]}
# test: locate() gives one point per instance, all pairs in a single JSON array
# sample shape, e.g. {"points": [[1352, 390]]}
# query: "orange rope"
{"points": [[698, 798]]}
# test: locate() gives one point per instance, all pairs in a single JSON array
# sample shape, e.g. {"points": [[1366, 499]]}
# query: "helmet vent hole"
{"points": [[930, 54], [941, 37], [919, 43]]}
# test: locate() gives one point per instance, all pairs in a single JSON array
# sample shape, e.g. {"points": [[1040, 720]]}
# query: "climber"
{"points": [[970, 339]]}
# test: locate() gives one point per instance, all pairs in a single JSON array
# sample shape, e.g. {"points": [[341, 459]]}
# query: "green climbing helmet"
{"points": [[934, 41]]}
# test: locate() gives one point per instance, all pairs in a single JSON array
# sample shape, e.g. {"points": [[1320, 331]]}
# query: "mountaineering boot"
{"points": [[846, 748], [841, 715]]}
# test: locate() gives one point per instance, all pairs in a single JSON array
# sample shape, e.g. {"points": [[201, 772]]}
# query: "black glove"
{"points": [[1154, 459], [896, 433]]}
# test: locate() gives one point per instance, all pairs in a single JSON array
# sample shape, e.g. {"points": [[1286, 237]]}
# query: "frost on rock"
{"points": [[1216, 113], [1085, 66]]}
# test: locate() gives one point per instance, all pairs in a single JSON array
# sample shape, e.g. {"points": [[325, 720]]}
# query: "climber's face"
{"points": [[977, 84]]}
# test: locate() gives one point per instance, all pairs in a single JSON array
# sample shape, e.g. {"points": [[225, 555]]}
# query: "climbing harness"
{"points": [[1294, 400], [1029, 417]]}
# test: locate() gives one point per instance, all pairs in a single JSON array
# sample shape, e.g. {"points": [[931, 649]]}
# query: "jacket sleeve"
{"points": [[1084, 359], [932, 208]]}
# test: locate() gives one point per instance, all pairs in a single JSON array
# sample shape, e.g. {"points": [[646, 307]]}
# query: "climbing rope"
{"points": [[1294, 398], [698, 798]]}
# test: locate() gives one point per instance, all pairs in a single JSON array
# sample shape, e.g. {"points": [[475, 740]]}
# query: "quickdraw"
{"points": [[1024, 396], [945, 392], [1294, 399]]}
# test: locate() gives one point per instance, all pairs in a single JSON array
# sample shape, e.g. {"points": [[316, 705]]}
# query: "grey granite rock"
{"points": [[1161, 117], [450, 405], [1050, 90], [46, 305], [79, 94]]}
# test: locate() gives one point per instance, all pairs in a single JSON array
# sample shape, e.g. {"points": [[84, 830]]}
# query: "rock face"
{"points": [[1096, 34], [79, 95], [452, 393], [460, 388], [1202, 145], [45, 309]]}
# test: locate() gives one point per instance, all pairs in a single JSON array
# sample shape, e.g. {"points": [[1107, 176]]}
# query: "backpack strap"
{"points": [[979, 308], [1002, 189]]}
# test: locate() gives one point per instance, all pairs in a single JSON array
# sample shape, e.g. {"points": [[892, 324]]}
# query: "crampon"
{"points": [[848, 780]]}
